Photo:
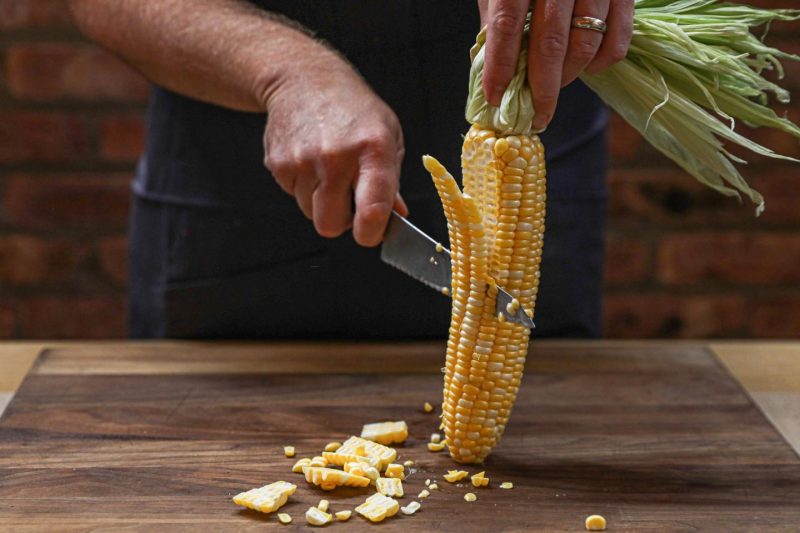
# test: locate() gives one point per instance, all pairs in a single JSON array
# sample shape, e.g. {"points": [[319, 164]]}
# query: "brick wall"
{"points": [[683, 261]]}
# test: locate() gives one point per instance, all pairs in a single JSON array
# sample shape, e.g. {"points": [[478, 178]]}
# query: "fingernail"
{"points": [[540, 122]]}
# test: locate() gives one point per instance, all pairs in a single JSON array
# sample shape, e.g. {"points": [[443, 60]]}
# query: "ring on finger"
{"points": [[590, 23]]}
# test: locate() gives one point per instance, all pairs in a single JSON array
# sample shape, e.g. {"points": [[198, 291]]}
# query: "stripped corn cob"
{"points": [[266, 499], [378, 507], [390, 486], [329, 478], [496, 228]]}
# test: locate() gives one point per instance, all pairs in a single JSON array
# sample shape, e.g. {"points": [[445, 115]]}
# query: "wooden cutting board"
{"points": [[654, 436]]}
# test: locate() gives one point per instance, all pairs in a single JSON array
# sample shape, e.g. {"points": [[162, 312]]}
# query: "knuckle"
{"points": [[583, 51], [505, 22], [617, 53], [552, 44], [375, 140], [375, 212]]}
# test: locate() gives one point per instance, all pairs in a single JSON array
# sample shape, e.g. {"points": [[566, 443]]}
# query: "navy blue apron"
{"points": [[218, 250]]}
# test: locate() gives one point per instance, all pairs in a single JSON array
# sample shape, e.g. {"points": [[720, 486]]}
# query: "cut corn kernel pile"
{"points": [[455, 475], [317, 517], [378, 507], [385, 432], [288, 451], [480, 480], [395, 470], [362, 469], [343, 516], [266, 499], [389, 486], [383, 455], [595, 522], [298, 466], [318, 461], [330, 478]]}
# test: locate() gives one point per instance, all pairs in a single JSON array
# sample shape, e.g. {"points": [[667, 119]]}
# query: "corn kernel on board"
{"points": [[649, 435]]}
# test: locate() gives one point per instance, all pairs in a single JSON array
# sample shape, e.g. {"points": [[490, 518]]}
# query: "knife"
{"points": [[410, 250]]}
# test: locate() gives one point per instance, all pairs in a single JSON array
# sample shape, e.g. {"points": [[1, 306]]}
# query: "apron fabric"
{"points": [[218, 250]]}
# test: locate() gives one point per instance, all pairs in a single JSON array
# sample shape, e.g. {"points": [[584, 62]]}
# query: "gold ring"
{"points": [[590, 23]]}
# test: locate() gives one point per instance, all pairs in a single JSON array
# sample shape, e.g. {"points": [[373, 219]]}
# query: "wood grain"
{"points": [[654, 437]]}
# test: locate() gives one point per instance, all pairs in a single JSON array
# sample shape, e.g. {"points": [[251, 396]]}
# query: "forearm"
{"points": [[225, 52]]}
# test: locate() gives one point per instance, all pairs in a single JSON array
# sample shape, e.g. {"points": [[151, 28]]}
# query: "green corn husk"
{"points": [[694, 68]]}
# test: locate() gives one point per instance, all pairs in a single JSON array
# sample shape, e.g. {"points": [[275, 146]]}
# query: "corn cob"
{"points": [[496, 227]]}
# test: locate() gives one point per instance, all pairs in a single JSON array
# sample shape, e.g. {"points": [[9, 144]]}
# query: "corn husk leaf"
{"points": [[694, 70]]}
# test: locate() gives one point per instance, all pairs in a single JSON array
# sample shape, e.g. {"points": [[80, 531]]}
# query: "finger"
{"points": [[303, 193], [483, 9], [505, 19], [375, 192], [549, 38], [583, 43], [332, 198], [618, 37], [400, 205]]}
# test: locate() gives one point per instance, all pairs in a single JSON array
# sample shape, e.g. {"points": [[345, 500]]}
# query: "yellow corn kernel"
{"points": [[455, 475], [377, 453], [318, 461], [298, 466], [266, 499], [329, 479], [333, 446], [436, 438], [343, 516], [595, 522], [378, 507], [408, 463], [427, 482], [479, 480], [385, 432], [323, 505], [284, 518], [470, 497], [423, 494], [390, 486], [340, 459], [427, 407], [395, 470], [316, 517], [433, 486], [411, 508], [288, 451], [506, 485], [435, 447]]}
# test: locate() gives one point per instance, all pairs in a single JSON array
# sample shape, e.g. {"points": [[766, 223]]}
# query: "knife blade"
{"points": [[413, 252]]}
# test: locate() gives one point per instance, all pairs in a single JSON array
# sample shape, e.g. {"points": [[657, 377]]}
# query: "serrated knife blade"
{"points": [[413, 252]]}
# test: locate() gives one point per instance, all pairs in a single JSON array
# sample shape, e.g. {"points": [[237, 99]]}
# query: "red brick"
{"points": [[667, 316], [733, 257], [113, 252], [7, 322], [63, 317], [43, 137], [122, 137], [17, 14], [27, 260], [777, 317], [627, 261], [53, 71], [72, 201]]}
